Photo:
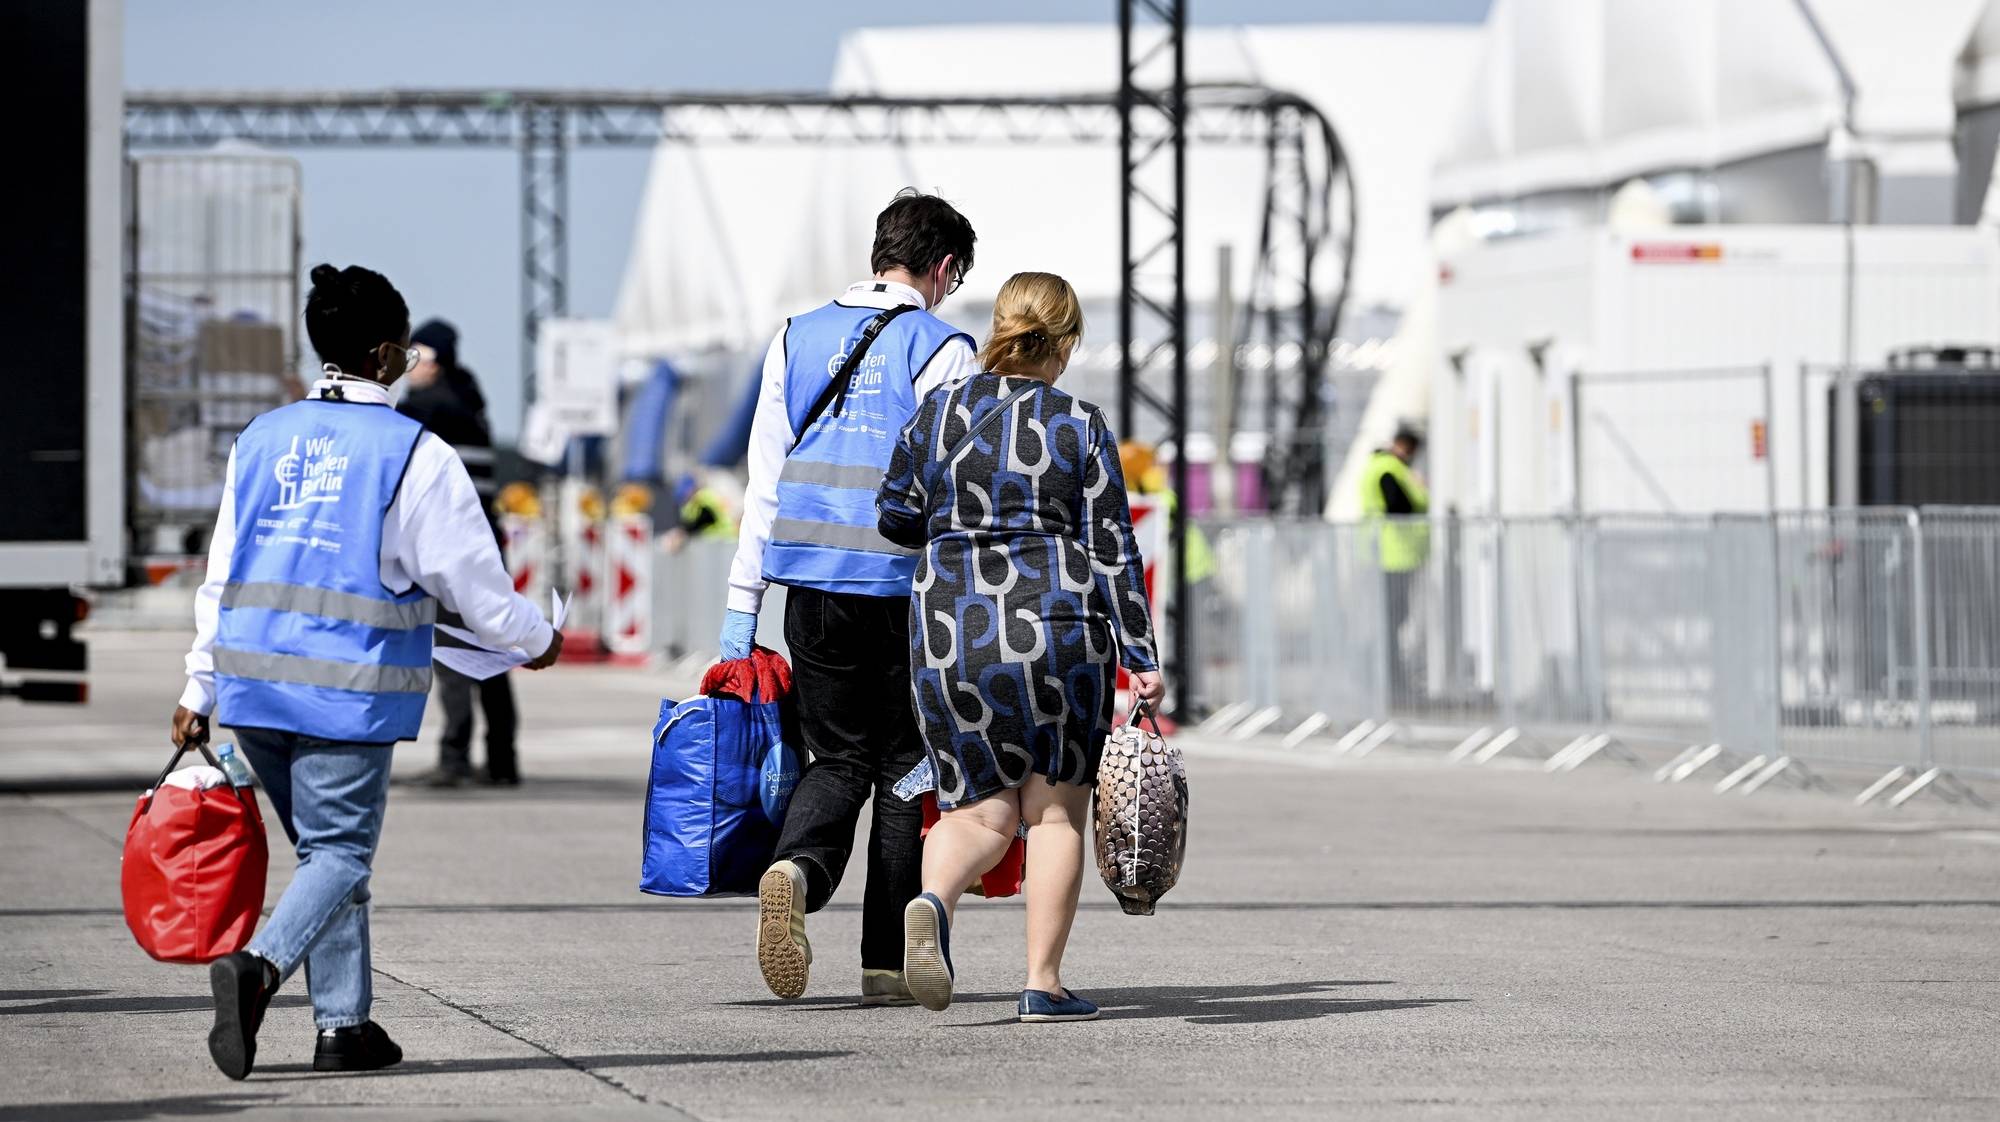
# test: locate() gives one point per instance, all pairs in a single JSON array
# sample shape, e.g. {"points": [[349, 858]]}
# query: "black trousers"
{"points": [[851, 676], [496, 696], [1406, 657]]}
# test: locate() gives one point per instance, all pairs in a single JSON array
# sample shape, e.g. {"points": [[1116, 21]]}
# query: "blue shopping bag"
{"points": [[723, 772]]}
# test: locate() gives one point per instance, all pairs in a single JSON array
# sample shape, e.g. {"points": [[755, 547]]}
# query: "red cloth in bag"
{"points": [[764, 676], [194, 867], [1003, 879]]}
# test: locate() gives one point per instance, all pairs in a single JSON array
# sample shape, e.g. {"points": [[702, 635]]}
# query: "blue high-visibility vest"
{"points": [[824, 535], [310, 641]]}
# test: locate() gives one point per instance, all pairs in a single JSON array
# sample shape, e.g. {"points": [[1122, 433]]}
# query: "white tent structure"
{"points": [[1757, 123], [731, 238], [1976, 89], [1578, 96]]}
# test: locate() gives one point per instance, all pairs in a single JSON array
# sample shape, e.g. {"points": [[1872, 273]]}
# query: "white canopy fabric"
{"points": [[732, 238], [1978, 83], [1588, 93]]}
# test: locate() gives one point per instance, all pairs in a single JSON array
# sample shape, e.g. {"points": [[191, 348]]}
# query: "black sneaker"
{"points": [[362, 1047], [242, 984]]}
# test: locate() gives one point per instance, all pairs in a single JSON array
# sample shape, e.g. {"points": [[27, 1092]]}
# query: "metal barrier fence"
{"points": [[1866, 637], [690, 592]]}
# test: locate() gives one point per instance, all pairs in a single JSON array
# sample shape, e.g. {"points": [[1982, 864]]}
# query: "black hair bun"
{"points": [[324, 274]]}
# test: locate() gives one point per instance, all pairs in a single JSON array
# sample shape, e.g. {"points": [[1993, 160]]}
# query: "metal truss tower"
{"points": [[1152, 239], [544, 227]]}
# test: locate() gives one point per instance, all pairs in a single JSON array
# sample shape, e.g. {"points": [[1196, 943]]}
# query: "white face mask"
{"points": [[410, 360]]}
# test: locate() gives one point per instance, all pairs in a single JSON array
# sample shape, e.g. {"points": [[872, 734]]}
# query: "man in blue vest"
{"points": [[345, 530], [818, 449]]}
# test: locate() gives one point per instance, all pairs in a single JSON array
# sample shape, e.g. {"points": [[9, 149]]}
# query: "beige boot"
{"points": [[782, 951], [884, 987]]}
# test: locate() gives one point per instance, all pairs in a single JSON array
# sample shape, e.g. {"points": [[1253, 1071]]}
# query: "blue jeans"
{"points": [[330, 797]]}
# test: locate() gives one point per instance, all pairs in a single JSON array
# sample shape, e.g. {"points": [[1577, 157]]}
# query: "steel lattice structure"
{"points": [[1304, 255], [1152, 229]]}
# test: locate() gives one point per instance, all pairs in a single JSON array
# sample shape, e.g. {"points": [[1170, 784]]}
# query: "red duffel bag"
{"points": [[1001, 880], [193, 875]]}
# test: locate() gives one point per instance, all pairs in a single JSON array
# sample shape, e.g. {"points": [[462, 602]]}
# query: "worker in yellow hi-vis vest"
{"points": [[1395, 501]]}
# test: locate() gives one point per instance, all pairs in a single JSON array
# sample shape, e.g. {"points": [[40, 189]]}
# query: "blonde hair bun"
{"points": [[1036, 318]]}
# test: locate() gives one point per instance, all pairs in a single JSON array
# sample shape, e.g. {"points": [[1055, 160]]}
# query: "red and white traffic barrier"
{"points": [[527, 549], [628, 585]]}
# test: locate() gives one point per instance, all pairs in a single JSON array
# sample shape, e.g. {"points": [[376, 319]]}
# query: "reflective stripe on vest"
{"points": [[824, 535], [860, 477], [865, 538], [386, 614], [266, 667]]}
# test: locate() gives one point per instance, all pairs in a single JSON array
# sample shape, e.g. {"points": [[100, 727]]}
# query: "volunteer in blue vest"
{"points": [[818, 450], [345, 529]]}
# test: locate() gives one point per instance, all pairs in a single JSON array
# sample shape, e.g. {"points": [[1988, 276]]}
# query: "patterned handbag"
{"points": [[1142, 814]]}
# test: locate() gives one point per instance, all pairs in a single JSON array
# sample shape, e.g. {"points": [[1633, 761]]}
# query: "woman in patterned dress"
{"points": [[1029, 586]]}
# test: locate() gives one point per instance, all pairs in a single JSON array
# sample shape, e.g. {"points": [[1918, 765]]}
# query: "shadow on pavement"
{"points": [[547, 1062], [82, 1001], [1201, 1005], [97, 783], [532, 788], [189, 1106]]}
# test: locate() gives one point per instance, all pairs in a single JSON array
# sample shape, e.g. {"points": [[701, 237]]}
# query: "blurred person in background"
{"points": [[809, 523], [344, 530], [1029, 593], [444, 397], [703, 513], [1393, 497], [1146, 476]]}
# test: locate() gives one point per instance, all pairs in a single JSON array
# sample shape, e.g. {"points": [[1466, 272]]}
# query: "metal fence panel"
{"points": [[1868, 638], [1654, 626], [1846, 619], [1962, 588], [215, 306], [1674, 440]]}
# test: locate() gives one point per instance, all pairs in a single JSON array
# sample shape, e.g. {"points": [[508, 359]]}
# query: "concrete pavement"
{"points": [[1392, 938]]}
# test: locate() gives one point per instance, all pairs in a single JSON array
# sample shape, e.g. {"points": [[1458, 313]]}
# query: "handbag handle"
{"points": [[200, 745], [1139, 709]]}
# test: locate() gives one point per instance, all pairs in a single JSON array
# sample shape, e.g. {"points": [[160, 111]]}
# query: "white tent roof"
{"points": [[1587, 93], [1979, 66], [733, 238]]}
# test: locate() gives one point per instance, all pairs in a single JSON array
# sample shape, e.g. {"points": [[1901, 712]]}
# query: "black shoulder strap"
{"points": [[1000, 410], [838, 386]]}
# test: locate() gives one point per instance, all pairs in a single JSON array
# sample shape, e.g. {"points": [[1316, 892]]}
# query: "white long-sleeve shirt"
{"points": [[772, 438], [434, 536]]}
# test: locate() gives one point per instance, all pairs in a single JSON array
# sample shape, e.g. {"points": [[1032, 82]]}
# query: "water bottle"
{"points": [[233, 766]]}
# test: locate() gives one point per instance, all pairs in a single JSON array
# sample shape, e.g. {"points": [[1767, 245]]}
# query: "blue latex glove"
{"points": [[739, 632]]}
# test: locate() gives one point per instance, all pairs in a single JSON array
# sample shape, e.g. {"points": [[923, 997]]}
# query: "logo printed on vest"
{"points": [[314, 477], [869, 372]]}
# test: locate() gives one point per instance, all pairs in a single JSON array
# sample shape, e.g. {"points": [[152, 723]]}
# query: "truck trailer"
{"points": [[63, 523]]}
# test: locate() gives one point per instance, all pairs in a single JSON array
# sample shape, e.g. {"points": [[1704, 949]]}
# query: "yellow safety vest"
{"points": [[1200, 558], [723, 526], [1404, 544]]}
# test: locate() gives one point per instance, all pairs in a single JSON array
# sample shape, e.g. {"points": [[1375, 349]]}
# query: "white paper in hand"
{"points": [[457, 648]]}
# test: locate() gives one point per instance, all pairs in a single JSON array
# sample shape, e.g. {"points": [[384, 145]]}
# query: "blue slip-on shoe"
{"points": [[1042, 1007], [927, 952]]}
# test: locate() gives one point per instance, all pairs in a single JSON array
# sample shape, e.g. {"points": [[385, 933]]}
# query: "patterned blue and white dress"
{"points": [[1029, 586]]}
